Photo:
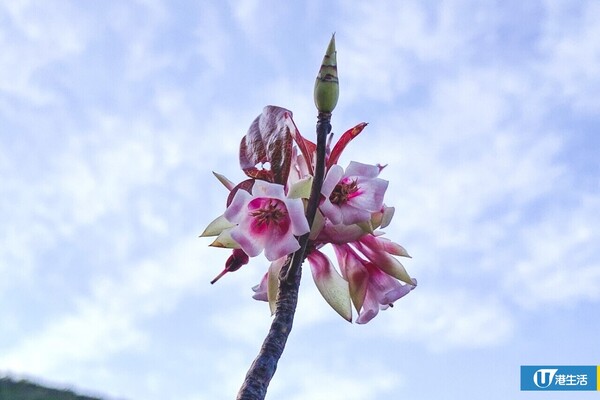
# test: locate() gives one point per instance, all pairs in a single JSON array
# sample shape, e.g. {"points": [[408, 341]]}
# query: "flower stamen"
{"points": [[344, 191], [270, 212]]}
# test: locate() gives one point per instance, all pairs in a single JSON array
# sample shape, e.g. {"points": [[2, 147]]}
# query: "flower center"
{"points": [[267, 211], [343, 191]]}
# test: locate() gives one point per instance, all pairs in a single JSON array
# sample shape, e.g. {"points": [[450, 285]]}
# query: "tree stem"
{"points": [[263, 368]]}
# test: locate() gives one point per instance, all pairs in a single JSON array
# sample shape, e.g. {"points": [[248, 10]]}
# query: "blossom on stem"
{"points": [[371, 288], [266, 219], [380, 251], [382, 292], [352, 196]]}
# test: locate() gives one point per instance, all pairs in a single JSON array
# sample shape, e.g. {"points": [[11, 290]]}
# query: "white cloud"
{"points": [[448, 320], [308, 380], [386, 41], [486, 196], [572, 54], [560, 263], [106, 321], [36, 35]]}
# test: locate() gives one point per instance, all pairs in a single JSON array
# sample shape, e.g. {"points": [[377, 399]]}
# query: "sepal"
{"points": [[217, 226], [330, 283]]}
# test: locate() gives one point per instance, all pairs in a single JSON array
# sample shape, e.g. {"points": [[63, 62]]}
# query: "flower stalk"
{"points": [[265, 364], [296, 200], [323, 130]]}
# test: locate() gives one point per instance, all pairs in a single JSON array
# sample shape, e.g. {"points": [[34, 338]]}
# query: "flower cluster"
{"points": [[266, 212]]}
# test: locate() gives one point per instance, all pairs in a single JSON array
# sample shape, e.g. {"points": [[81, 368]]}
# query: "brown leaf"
{"points": [[266, 150]]}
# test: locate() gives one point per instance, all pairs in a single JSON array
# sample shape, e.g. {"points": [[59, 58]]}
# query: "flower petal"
{"points": [[273, 282], [332, 178], [376, 253], [354, 272], [370, 309], [340, 234], [238, 209], [359, 169], [267, 189], [251, 244], [281, 246], [295, 208], [260, 290], [332, 286], [352, 215], [371, 196], [331, 211]]}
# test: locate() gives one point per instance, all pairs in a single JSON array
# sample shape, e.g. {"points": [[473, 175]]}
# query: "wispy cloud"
{"points": [[113, 116]]}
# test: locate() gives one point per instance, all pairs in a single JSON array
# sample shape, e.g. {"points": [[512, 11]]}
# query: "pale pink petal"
{"points": [[267, 189], [392, 247], [369, 310], [295, 209], [352, 215], [260, 290], [375, 252], [332, 178], [238, 209], [340, 234], [385, 288], [281, 247], [252, 245], [331, 211], [371, 195], [354, 272], [359, 169]]}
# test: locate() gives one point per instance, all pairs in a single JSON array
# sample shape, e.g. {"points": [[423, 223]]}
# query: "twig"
{"points": [[263, 368]]}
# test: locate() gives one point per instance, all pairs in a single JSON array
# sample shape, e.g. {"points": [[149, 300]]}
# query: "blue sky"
{"points": [[113, 115]]}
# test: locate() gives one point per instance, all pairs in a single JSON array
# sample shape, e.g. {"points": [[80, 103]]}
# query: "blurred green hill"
{"points": [[25, 390]]}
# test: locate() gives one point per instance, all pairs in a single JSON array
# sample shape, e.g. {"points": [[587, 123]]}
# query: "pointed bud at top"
{"points": [[327, 86]]}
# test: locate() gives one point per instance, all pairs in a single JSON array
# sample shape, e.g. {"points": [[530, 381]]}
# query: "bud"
{"points": [[236, 260], [327, 86]]}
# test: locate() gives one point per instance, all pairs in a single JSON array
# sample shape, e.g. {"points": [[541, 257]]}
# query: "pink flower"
{"points": [[382, 292], [371, 289], [351, 197], [266, 219], [380, 251]]}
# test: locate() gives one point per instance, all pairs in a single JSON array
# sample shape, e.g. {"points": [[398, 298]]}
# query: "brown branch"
{"points": [[263, 368]]}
